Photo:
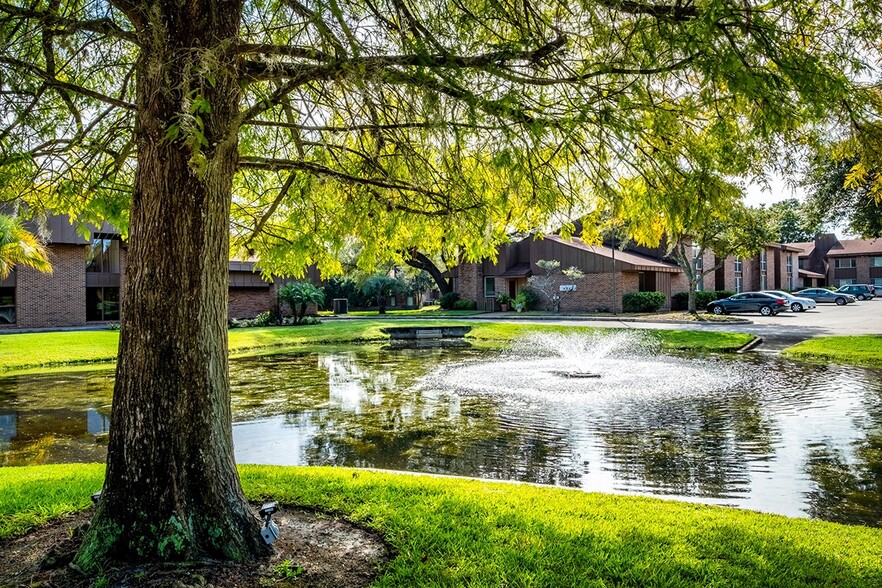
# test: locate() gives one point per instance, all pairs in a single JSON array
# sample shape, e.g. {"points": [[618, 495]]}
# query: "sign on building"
{"points": [[567, 287]]}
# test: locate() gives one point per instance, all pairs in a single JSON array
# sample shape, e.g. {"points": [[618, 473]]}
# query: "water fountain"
{"points": [[623, 364]]}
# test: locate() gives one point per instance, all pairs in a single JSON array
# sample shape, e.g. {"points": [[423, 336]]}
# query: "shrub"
{"points": [[643, 301], [528, 298], [264, 319], [448, 300], [465, 305], [680, 300]]}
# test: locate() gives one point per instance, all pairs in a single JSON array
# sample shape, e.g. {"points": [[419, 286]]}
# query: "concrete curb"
{"points": [[751, 345]]}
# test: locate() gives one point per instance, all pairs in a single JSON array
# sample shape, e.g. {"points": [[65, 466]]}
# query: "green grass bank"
{"points": [[32, 351], [851, 349], [453, 532]]}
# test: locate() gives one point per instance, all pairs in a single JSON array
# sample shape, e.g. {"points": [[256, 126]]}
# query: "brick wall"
{"points": [[471, 282], [863, 269], [594, 292], [57, 299], [246, 303]]}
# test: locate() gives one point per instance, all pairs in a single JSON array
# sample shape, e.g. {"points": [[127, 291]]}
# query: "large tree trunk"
{"points": [[171, 490], [421, 261]]}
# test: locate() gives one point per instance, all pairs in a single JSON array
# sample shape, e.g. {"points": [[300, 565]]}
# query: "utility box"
{"points": [[341, 306]]}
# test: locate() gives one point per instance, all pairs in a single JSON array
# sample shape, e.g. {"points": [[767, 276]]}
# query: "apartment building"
{"points": [[830, 261], [87, 279]]}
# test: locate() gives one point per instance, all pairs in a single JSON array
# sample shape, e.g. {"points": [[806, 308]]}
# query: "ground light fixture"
{"points": [[270, 531], [96, 497]]}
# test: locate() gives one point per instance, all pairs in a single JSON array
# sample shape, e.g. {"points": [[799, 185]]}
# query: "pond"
{"points": [[755, 432]]}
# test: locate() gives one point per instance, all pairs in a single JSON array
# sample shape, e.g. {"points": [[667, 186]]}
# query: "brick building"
{"points": [[610, 272], [87, 278], [773, 268], [830, 261]]}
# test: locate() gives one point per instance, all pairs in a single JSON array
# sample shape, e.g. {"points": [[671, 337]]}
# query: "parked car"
{"points": [[797, 303], [859, 291], [825, 295], [765, 304]]}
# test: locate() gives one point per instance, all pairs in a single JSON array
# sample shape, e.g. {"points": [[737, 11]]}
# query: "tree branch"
{"points": [[54, 83], [270, 164], [64, 26]]}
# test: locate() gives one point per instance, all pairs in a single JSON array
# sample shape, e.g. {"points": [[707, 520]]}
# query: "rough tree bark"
{"points": [[171, 490]]}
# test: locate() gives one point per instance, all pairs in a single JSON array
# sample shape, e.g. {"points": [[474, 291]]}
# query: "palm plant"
{"points": [[299, 295], [20, 247], [380, 287]]}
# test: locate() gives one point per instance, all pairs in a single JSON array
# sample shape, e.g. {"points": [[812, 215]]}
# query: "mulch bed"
{"points": [[314, 550]]}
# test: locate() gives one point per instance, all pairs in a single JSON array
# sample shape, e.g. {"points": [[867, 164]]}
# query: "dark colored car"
{"points": [[765, 304], [825, 295], [859, 291]]}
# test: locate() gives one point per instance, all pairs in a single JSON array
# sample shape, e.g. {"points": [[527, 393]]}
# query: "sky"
{"points": [[779, 189]]}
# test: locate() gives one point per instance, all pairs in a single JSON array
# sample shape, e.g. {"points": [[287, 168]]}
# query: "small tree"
{"points": [[299, 295], [381, 287], [740, 231], [548, 284]]}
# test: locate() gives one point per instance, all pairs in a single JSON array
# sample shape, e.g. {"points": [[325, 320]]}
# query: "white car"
{"points": [[797, 303]]}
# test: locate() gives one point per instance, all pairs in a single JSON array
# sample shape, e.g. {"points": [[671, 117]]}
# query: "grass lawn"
{"points": [[452, 532], [852, 349], [28, 352], [422, 312]]}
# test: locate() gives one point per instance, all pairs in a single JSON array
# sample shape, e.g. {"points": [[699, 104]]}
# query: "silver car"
{"points": [[825, 295], [797, 303]]}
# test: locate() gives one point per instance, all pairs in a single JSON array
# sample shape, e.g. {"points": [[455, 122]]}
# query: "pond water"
{"points": [[753, 432]]}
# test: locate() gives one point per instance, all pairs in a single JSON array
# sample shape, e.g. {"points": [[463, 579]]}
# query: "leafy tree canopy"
{"points": [[791, 223], [842, 192], [400, 123]]}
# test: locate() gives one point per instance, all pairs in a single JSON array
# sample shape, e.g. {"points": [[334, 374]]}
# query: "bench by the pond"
{"points": [[435, 332]]}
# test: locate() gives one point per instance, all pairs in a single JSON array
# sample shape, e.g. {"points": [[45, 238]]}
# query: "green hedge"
{"points": [[449, 300], [528, 298], [465, 305], [643, 301], [680, 300]]}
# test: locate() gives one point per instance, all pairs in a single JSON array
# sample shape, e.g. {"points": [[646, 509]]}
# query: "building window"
{"points": [[763, 261], [876, 262], [699, 287], [763, 282], [801, 263], [489, 287], [789, 264], [739, 284], [845, 282], [739, 266], [102, 304], [103, 256], [7, 306], [877, 281], [844, 262]]}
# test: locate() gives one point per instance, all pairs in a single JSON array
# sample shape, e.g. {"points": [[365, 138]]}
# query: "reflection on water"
{"points": [[760, 433]]}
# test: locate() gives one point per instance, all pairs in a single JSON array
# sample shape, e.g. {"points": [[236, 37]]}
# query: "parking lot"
{"points": [[860, 318], [782, 330]]}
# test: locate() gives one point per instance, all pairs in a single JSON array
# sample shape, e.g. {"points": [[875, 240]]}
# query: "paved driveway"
{"points": [[783, 330]]}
